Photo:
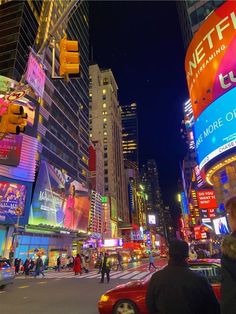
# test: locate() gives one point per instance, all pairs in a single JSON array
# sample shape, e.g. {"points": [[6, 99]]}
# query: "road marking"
{"points": [[41, 282], [117, 272], [131, 274], [2, 292], [142, 275], [118, 275], [23, 287]]}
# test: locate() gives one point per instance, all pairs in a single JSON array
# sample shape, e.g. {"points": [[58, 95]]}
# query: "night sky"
{"points": [[141, 42]]}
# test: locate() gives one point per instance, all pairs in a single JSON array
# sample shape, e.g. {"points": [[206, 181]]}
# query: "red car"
{"points": [[130, 297]]}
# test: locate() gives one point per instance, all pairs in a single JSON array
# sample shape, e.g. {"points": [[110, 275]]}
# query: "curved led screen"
{"points": [[210, 63], [215, 128]]}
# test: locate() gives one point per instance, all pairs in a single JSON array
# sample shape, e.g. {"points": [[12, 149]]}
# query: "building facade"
{"points": [[105, 127], [60, 127]]}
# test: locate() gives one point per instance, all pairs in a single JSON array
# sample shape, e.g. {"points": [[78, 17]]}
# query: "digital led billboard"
{"points": [[215, 128], [206, 199], [221, 225], [151, 219], [59, 200], [209, 63], [12, 199]]}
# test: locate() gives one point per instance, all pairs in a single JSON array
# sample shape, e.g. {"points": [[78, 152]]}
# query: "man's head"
{"points": [[178, 251], [230, 206]]}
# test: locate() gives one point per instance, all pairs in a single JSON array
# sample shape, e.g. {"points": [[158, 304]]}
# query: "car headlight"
{"points": [[104, 298]]}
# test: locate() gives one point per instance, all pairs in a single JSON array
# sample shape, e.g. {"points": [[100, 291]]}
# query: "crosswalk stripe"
{"points": [[142, 275], [119, 275], [116, 273], [131, 274]]}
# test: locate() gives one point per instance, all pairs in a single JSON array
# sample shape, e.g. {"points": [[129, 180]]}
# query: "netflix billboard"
{"points": [[206, 199]]}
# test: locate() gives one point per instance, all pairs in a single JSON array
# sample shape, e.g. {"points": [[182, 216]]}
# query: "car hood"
{"points": [[131, 285]]}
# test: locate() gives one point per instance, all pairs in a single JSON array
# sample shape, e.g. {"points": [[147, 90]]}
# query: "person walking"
{"points": [[77, 265], [39, 267], [17, 265], [151, 261], [99, 260], [26, 267], [83, 263], [228, 262], [119, 261], [105, 269], [177, 289], [58, 267]]}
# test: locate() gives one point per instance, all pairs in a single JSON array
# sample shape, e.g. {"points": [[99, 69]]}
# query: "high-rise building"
{"points": [[150, 180], [192, 14], [130, 134], [61, 119], [105, 127]]}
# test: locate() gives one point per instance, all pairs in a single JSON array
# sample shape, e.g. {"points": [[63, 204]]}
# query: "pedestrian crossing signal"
{"points": [[69, 57]]}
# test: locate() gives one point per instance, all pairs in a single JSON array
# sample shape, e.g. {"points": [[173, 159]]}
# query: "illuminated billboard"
{"points": [[221, 225], [59, 200], [215, 128], [12, 199], [209, 63], [151, 219], [206, 199]]}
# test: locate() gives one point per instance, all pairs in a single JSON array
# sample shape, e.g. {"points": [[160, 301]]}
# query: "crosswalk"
{"points": [[124, 275]]}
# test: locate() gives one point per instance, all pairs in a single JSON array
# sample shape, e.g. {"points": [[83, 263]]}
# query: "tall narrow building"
{"points": [[130, 135], [150, 180], [105, 127]]}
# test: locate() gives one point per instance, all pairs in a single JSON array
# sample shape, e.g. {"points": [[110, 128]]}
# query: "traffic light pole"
{"points": [[62, 18]]}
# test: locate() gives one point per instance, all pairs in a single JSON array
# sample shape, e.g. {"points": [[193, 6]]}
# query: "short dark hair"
{"points": [[178, 249]]}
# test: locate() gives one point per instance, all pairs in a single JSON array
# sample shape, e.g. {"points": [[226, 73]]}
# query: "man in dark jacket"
{"points": [[228, 262], [177, 289]]}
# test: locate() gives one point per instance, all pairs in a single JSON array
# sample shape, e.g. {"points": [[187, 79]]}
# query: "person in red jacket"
{"points": [[77, 265]]}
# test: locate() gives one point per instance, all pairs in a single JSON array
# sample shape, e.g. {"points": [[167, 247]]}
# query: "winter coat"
{"points": [[228, 276], [177, 289]]}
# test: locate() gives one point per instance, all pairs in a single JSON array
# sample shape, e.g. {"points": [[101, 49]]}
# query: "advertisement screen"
{"points": [[151, 219], [12, 199], [10, 149], [209, 65], [215, 129], [206, 199], [221, 225], [59, 200]]}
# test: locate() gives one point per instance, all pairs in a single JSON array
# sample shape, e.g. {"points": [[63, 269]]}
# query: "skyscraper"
{"points": [[105, 127], [150, 180], [130, 134]]}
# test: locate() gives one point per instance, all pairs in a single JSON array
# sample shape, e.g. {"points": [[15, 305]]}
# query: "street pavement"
{"points": [[60, 293]]}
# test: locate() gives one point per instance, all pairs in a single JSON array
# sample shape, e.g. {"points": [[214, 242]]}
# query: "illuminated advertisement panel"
{"points": [[206, 199], [59, 200], [215, 128], [209, 65], [12, 199], [10, 149], [221, 225], [151, 219]]}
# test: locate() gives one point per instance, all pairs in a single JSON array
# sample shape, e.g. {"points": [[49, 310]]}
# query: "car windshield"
{"points": [[5, 263], [211, 271]]}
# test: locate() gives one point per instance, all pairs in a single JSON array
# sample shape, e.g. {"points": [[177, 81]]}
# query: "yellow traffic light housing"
{"points": [[69, 57], [14, 120]]}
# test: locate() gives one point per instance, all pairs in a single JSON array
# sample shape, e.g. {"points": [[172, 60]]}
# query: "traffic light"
{"points": [[14, 120], [69, 57]]}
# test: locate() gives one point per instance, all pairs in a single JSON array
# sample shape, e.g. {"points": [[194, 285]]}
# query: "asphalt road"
{"points": [[59, 295], [53, 296]]}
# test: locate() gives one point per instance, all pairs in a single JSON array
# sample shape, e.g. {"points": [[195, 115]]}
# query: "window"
{"points": [[104, 119], [104, 91], [90, 135], [105, 133], [90, 96], [105, 155], [106, 171], [103, 97], [106, 180], [104, 105]]}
